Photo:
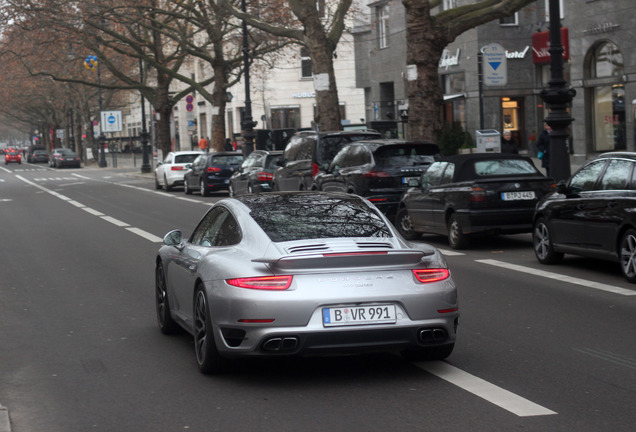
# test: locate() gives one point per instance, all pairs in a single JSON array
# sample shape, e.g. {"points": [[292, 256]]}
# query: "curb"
{"points": [[5, 424]]}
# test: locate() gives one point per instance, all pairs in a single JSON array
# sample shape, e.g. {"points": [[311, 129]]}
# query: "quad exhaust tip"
{"points": [[281, 344], [432, 335]]}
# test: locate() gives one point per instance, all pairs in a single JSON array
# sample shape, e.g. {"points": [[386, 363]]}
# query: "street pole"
{"points": [[101, 141], [247, 123], [145, 163], [557, 98]]}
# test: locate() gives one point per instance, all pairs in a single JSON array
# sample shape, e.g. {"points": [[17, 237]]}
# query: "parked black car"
{"points": [[309, 152], [592, 214], [38, 156], [256, 173], [211, 172], [63, 157], [462, 195], [378, 170]]}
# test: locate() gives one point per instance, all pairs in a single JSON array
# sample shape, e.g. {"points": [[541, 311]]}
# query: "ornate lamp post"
{"points": [[91, 62], [145, 164], [247, 123], [557, 98]]}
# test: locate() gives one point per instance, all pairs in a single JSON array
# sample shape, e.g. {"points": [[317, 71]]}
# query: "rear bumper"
{"points": [[503, 221]]}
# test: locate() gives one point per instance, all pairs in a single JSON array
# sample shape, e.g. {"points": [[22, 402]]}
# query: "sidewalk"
{"points": [[123, 161]]}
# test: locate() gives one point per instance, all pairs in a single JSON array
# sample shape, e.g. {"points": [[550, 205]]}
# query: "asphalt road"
{"points": [[539, 349]]}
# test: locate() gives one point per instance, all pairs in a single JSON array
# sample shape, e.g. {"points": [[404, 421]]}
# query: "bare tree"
{"points": [[319, 34], [427, 36]]}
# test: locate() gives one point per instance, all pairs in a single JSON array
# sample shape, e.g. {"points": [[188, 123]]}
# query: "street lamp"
{"points": [[91, 62], [557, 97], [145, 164], [247, 123]]}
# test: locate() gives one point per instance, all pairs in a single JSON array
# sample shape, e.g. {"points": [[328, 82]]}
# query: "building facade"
{"points": [[599, 63]]}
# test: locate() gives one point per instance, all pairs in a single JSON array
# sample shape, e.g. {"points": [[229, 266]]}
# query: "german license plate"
{"points": [[515, 196], [358, 315]]}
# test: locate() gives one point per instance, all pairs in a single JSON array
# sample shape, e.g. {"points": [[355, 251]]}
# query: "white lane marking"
{"points": [[560, 277], [115, 221], [447, 252], [164, 194], [153, 238], [93, 211], [144, 234], [485, 390]]}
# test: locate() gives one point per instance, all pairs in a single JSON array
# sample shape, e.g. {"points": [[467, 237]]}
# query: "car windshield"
{"points": [[389, 156], [184, 159], [291, 217], [497, 167], [226, 160]]}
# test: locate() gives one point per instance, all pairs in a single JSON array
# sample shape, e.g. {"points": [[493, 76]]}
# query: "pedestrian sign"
{"points": [[495, 69]]}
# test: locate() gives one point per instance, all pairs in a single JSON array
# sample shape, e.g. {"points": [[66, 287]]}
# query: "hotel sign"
{"points": [[541, 45]]}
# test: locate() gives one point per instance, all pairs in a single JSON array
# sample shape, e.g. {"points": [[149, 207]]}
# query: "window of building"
{"points": [[448, 4], [287, 117], [306, 67], [512, 20], [547, 10], [383, 25]]}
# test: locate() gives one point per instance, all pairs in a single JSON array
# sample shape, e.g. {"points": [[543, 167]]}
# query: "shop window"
{"points": [[511, 20], [608, 101]]}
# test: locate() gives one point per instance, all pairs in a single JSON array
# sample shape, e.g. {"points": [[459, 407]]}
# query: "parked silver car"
{"points": [[297, 273]]}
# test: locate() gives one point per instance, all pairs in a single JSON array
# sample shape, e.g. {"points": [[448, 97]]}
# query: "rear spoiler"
{"points": [[346, 259]]}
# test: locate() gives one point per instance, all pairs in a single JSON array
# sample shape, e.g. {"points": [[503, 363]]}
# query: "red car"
{"points": [[12, 155]]}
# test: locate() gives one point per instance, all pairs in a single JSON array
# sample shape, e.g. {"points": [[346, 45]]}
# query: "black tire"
{"points": [[202, 189], [542, 242], [186, 188], [166, 186], [628, 255], [208, 358], [456, 237], [429, 353], [166, 324], [403, 224]]}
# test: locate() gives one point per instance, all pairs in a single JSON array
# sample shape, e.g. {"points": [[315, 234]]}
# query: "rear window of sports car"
{"points": [[303, 216], [497, 167]]}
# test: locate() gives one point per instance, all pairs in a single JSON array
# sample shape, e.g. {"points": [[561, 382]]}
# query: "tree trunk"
{"points": [[425, 44], [219, 101]]}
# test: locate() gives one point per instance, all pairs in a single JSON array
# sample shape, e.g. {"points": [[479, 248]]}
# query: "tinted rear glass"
{"points": [[271, 161], [403, 156], [499, 167], [184, 159], [311, 216], [226, 160], [330, 145]]}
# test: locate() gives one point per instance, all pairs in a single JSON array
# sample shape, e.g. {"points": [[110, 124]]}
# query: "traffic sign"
{"points": [[189, 99], [495, 68], [111, 121], [189, 107]]}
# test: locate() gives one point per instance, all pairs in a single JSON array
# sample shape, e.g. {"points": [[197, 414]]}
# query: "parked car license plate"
{"points": [[406, 180], [358, 315], [514, 196]]}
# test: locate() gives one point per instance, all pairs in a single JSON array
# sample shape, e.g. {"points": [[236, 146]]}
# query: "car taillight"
{"points": [[213, 169], [277, 283], [431, 275], [315, 169], [477, 194], [376, 174], [176, 168], [264, 176]]}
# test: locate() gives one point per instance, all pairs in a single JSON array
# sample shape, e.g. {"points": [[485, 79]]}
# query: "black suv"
{"points": [[308, 153], [378, 170]]}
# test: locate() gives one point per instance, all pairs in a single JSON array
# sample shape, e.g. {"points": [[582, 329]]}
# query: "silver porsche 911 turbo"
{"points": [[303, 273]]}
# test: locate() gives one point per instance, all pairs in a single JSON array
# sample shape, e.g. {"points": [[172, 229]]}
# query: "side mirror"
{"points": [[174, 238], [280, 162], [414, 182], [188, 166], [159, 163], [562, 187]]}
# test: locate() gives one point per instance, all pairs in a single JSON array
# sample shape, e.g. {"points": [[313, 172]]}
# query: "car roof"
{"points": [[464, 162], [619, 154], [375, 143]]}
